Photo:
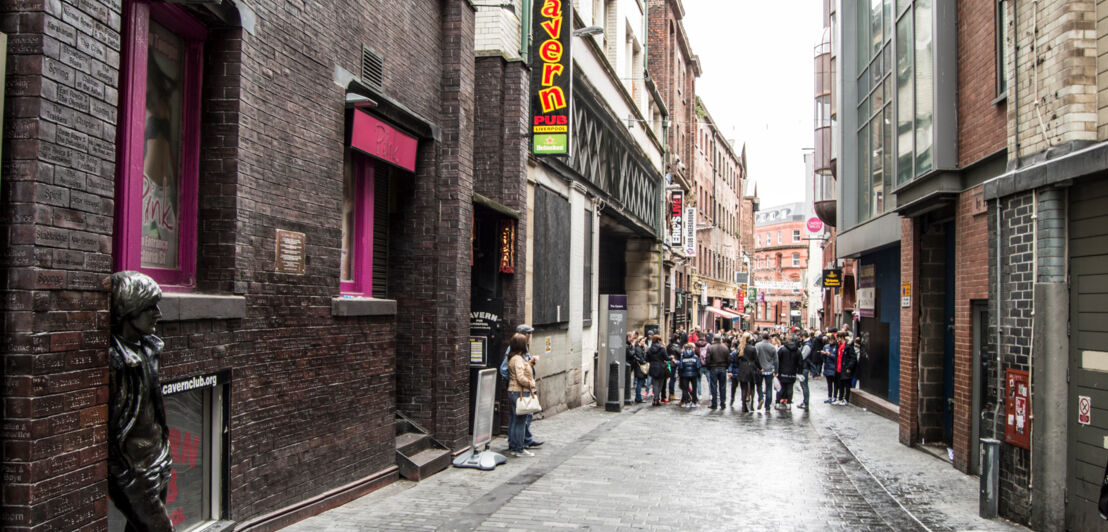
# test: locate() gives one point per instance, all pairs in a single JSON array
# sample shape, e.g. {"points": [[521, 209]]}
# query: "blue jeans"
{"points": [[806, 375], [764, 380], [639, 383], [717, 380], [517, 425]]}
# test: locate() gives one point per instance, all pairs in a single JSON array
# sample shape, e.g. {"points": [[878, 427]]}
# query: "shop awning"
{"points": [[723, 313]]}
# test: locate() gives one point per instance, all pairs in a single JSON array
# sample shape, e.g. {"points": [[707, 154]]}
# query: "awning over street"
{"points": [[724, 313]]}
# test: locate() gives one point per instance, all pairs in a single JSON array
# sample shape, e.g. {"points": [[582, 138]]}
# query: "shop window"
{"points": [[363, 260], [197, 413], [159, 143]]}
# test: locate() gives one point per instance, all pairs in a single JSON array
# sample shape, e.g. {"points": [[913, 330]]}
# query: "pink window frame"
{"points": [[132, 132], [362, 254]]}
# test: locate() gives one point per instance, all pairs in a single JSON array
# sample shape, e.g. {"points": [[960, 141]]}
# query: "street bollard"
{"points": [[612, 405], [990, 476], [627, 386]]}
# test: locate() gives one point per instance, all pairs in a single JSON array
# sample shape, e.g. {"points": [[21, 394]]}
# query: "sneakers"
{"points": [[829, 400], [521, 454], [803, 406]]}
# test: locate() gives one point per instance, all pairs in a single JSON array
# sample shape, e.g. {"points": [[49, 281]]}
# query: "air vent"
{"points": [[373, 71]]}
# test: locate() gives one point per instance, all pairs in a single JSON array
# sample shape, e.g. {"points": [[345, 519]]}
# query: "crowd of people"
{"points": [[765, 363]]}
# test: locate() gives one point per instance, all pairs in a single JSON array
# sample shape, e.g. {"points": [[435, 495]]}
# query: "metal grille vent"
{"points": [[373, 71]]}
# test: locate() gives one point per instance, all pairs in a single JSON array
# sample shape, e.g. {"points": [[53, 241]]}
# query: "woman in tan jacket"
{"points": [[521, 381]]}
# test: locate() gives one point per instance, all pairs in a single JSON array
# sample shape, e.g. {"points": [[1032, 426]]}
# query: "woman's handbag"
{"points": [[644, 369], [528, 404]]}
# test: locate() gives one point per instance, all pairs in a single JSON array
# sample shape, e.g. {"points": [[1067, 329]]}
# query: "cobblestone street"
{"points": [[669, 468]]}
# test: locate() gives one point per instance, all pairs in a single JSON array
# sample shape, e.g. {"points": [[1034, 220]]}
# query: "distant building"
{"points": [[780, 266]]}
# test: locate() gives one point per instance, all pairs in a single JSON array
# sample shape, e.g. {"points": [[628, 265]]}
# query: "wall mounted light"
{"points": [[588, 30], [358, 101]]}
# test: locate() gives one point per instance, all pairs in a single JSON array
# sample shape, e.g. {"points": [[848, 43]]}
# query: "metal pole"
{"points": [[612, 405]]}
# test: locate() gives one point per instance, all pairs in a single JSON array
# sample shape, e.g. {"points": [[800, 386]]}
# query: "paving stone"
{"points": [[667, 468]]}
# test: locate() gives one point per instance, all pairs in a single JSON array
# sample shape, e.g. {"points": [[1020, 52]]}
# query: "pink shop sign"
{"points": [[376, 138]]}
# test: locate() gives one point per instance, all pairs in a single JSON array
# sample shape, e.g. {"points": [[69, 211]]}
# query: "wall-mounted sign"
{"points": [[778, 285], [1017, 426], [1084, 410], [867, 290], [676, 218], [551, 78], [690, 231], [815, 225], [291, 249], [374, 137], [905, 295], [478, 351], [507, 237], [832, 278]]}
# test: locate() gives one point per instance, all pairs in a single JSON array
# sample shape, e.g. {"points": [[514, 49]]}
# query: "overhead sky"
{"points": [[757, 59]]}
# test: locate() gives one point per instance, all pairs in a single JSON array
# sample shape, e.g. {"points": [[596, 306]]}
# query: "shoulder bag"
{"points": [[528, 404]]}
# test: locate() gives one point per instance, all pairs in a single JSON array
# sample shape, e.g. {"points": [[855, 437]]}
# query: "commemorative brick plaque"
{"points": [[290, 252]]}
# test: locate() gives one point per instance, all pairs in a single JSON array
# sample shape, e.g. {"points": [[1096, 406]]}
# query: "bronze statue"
{"points": [[139, 463]]}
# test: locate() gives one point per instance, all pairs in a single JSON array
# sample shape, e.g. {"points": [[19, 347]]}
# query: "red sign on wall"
{"points": [[1017, 425], [374, 137]]}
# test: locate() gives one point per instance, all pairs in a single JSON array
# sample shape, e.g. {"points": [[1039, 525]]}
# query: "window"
{"points": [[363, 257], [796, 235], [796, 259], [198, 422], [159, 144], [1001, 40], [779, 237], [550, 303]]}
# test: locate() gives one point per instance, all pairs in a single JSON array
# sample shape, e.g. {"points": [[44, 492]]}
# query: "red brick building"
{"points": [[779, 268], [315, 286]]}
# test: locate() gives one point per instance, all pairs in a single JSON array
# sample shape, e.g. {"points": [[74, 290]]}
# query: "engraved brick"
{"points": [[93, 48], [57, 71], [48, 280], [90, 85], [73, 98], [94, 9], [69, 178], [56, 154], [83, 241], [78, 19], [103, 111], [26, 44], [74, 58], [101, 149], [70, 138], [60, 31]]}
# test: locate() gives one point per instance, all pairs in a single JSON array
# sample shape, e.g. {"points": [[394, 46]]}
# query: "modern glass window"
{"points": [[874, 110], [915, 90], [159, 143]]}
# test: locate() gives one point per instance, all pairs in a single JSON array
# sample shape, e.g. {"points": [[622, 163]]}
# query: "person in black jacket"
{"points": [[689, 371], [848, 362], [743, 368], [788, 366], [656, 355]]}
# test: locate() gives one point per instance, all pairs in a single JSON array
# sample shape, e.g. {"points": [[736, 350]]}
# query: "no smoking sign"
{"points": [[1084, 409]]}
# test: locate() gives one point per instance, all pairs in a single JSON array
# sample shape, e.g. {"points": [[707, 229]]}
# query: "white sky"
{"points": [[757, 59]]}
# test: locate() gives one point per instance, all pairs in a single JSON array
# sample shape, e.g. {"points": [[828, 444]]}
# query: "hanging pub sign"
{"points": [[551, 78], [832, 278], [507, 243], [676, 209]]}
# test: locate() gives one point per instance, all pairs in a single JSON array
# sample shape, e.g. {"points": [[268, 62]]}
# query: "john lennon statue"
{"points": [[138, 437]]}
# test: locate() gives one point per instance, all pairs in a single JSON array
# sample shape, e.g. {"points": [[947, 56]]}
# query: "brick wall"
{"points": [[981, 123], [931, 293], [1016, 293], [313, 396], [57, 238], [909, 333], [1053, 67], [1101, 69], [971, 283]]}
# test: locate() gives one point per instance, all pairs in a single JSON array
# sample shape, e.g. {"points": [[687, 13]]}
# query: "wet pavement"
{"points": [[670, 468]]}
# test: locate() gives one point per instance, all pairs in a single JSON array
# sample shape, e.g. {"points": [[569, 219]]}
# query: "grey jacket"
{"points": [[767, 356]]}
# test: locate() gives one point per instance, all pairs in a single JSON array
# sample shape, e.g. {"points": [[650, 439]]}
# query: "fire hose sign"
{"points": [[1084, 410]]}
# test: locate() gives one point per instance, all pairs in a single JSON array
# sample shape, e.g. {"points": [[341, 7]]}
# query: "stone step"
{"points": [[424, 463]]}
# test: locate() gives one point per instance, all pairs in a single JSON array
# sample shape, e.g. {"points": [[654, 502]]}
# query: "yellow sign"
{"points": [[905, 295], [547, 344]]}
